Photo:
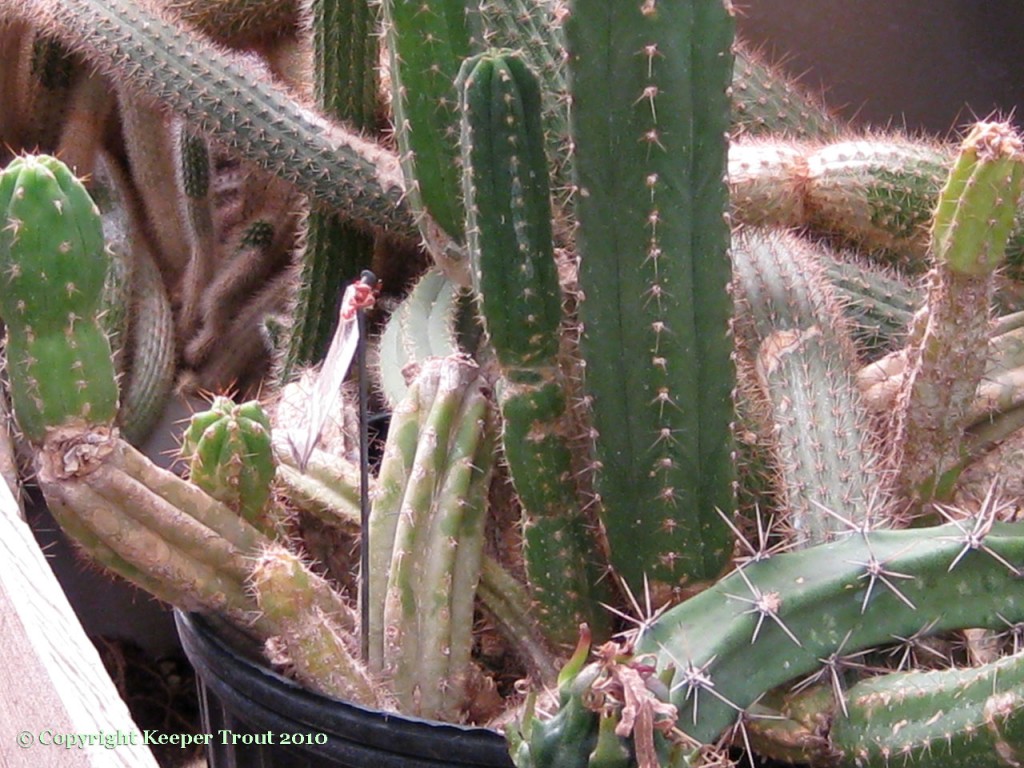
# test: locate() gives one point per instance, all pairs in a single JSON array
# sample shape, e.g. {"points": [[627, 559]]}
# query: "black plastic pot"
{"points": [[256, 718]]}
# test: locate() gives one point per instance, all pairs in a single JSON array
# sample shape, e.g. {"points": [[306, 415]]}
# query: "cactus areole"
{"points": [[54, 265]]}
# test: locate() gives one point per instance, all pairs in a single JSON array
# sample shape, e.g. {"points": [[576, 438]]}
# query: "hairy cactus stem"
{"points": [[946, 356], [137, 47]]}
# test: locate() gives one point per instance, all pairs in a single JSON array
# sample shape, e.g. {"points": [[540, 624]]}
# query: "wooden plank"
{"points": [[52, 682]]}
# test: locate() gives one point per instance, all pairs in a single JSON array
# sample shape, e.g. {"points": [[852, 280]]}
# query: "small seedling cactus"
{"points": [[578, 392]]}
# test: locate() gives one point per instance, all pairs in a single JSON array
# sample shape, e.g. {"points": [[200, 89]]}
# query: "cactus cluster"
{"points": [[691, 365]]}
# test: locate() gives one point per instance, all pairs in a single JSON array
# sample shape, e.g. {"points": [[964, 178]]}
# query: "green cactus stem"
{"points": [[346, 85], [877, 192], [54, 267], [766, 102], [774, 621], [509, 239], [433, 528], [306, 639], [948, 345], [210, 88], [150, 525], [535, 31], [393, 484], [649, 116], [194, 176], [954, 718], [427, 41], [230, 456], [328, 488], [151, 350], [795, 343], [877, 301]]}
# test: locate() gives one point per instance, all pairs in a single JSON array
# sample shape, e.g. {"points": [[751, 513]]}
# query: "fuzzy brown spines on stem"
{"points": [[307, 638]]}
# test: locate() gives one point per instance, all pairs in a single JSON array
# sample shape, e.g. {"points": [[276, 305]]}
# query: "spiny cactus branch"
{"points": [[138, 48]]}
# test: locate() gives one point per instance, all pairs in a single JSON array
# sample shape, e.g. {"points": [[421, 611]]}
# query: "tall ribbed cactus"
{"points": [[509, 236], [649, 117]]}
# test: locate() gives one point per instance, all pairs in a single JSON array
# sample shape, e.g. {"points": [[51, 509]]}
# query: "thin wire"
{"points": [[364, 490]]}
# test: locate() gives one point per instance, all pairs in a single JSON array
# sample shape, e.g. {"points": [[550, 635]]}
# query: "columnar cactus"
{"points": [[649, 118], [970, 229], [54, 266], [427, 536], [509, 237]]}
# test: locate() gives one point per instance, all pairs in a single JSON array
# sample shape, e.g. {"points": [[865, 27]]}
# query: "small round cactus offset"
{"points": [[53, 266], [229, 451]]}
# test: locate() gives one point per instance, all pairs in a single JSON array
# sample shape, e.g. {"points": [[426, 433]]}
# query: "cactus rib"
{"points": [[955, 718]]}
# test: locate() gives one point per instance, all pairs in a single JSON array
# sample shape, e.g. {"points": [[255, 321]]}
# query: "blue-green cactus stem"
{"points": [[796, 348], [778, 619]]}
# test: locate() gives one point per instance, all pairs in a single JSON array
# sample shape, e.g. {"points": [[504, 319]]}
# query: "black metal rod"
{"points": [[364, 490]]}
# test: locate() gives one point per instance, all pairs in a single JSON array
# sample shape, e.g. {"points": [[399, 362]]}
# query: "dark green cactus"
{"points": [[509, 238], [228, 449], [649, 117], [427, 42], [346, 85], [54, 266]]}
